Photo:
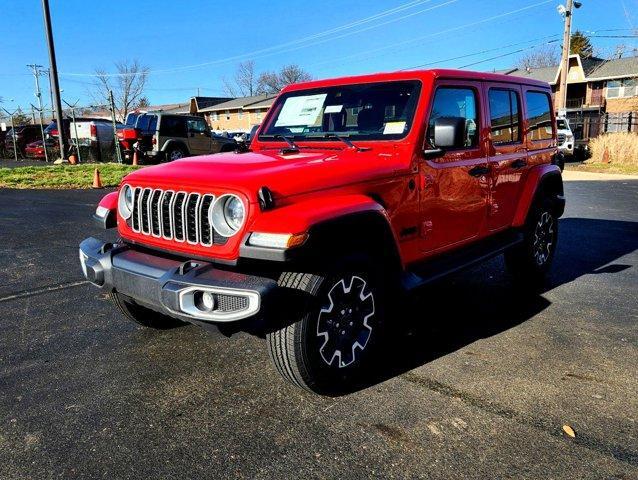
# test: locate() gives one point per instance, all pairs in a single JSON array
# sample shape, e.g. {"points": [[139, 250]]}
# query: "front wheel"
{"points": [[531, 260], [174, 153], [329, 342]]}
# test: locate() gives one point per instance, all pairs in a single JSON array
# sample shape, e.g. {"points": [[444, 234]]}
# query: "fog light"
{"points": [[204, 301]]}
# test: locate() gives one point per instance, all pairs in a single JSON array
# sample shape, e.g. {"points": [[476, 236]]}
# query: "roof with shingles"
{"points": [[593, 67], [241, 102]]}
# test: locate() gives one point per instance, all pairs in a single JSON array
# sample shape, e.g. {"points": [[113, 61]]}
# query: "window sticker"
{"points": [[333, 109], [303, 110], [393, 128]]}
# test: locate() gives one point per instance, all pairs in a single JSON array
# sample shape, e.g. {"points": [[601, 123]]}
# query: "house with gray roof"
{"points": [[602, 94]]}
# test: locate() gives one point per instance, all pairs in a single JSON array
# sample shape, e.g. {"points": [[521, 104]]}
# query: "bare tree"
{"points": [[127, 85], [546, 56], [244, 81], [273, 82]]}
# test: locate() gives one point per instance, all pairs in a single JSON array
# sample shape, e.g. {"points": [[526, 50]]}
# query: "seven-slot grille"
{"points": [[561, 138], [178, 216]]}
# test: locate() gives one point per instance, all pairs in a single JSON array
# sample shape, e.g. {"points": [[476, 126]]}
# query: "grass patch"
{"points": [[613, 153], [598, 167], [63, 176]]}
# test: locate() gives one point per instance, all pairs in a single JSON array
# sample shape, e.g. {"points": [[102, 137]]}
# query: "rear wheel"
{"points": [[327, 345], [142, 315], [531, 260], [175, 153]]}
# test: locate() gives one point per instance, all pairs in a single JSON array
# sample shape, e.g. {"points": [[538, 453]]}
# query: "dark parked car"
{"points": [[162, 137], [24, 135]]}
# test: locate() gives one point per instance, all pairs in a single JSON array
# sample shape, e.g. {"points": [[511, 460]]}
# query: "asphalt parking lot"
{"points": [[479, 386]]}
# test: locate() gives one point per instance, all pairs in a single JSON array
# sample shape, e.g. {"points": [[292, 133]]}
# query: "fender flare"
{"points": [[169, 143], [317, 216], [536, 177], [108, 202]]}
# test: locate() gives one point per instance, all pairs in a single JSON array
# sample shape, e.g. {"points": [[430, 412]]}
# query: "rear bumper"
{"points": [[175, 287]]}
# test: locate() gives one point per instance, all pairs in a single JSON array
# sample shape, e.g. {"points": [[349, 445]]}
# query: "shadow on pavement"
{"points": [[483, 302]]}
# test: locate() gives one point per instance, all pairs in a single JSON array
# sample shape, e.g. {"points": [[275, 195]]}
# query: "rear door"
{"points": [[455, 186], [507, 152], [199, 137]]}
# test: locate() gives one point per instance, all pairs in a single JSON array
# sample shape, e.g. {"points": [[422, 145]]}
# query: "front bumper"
{"points": [[174, 287]]}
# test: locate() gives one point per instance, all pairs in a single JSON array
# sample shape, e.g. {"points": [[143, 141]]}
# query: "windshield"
{"points": [[371, 111], [562, 124]]}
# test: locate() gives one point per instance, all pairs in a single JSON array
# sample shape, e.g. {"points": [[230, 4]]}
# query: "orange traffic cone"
{"points": [[97, 181], [606, 155], [73, 159], [135, 158]]}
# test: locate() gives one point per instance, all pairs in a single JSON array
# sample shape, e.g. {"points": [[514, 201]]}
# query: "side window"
{"points": [[196, 125], [456, 102], [152, 123], [504, 116], [173, 126], [539, 116]]}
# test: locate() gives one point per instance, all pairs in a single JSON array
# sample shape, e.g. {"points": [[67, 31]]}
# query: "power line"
{"points": [[441, 32], [486, 51], [264, 52]]}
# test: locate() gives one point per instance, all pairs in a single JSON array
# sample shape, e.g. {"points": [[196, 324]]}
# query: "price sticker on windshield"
{"points": [[301, 111], [394, 128]]}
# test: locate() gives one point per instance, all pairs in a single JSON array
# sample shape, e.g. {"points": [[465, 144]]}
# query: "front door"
{"points": [[199, 137], [507, 152], [455, 186]]}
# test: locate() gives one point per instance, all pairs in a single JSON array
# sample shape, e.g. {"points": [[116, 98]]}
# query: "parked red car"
{"points": [[24, 135], [35, 150], [357, 191]]}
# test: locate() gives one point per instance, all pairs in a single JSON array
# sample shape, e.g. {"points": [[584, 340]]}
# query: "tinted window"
{"points": [[197, 125], [538, 115], [456, 102], [372, 111], [173, 127], [504, 116], [130, 119]]}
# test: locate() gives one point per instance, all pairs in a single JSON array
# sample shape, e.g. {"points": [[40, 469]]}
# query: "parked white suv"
{"points": [[565, 136]]}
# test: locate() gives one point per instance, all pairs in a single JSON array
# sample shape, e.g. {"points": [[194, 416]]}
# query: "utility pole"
{"points": [[36, 74], [53, 77], [561, 99], [116, 141]]}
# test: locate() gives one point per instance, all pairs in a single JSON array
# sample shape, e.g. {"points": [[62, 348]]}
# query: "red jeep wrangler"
{"points": [[355, 191]]}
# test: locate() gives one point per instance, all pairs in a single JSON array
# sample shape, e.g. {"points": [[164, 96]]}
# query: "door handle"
{"points": [[520, 163], [479, 171]]}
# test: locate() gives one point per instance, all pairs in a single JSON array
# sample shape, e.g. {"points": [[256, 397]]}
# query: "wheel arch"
{"points": [[542, 180], [175, 143]]}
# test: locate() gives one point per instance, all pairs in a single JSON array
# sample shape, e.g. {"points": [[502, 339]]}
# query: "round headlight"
{"points": [[125, 203], [227, 215]]}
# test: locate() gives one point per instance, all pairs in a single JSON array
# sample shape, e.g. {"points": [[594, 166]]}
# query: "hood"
{"points": [[284, 175]]}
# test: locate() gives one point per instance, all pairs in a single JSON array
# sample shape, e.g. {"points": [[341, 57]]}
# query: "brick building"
{"points": [[239, 114], [602, 95]]}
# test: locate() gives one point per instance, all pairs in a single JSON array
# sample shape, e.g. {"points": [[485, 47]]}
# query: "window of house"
{"points": [[240, 114], [456, 102], [622, 88], [258, 112], [504, 116], [215, 117], [227, 114], [539, 106]]}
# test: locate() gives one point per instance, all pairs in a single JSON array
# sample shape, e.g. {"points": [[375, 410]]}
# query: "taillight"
{"points": [[54, 133], [93, 131]]}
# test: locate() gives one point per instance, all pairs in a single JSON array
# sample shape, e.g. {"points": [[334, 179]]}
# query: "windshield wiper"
{"points": [[292, 146], [345, 140]]}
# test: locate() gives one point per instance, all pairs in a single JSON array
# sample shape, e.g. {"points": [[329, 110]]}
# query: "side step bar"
{"points": [[430, 270]]}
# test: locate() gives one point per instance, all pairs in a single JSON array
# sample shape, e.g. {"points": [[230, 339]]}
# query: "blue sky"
{"points": [[175, 35]]}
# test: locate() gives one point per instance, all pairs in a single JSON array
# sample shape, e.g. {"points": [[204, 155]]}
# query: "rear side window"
{"points": [[456, 102], [504, 116], [173, 127], [539, 106]]}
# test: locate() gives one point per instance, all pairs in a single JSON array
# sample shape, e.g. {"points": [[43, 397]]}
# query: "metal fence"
{"points": [[585, 127]]}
